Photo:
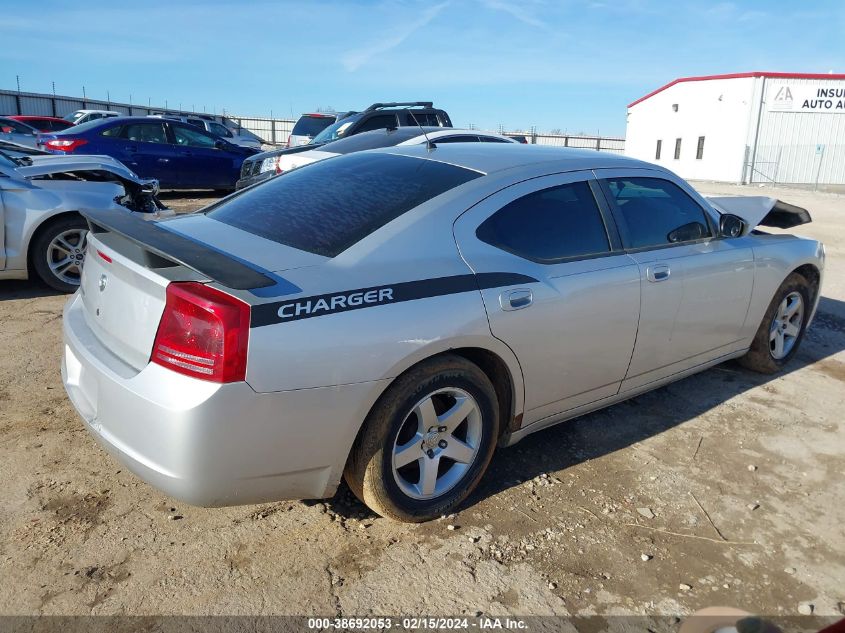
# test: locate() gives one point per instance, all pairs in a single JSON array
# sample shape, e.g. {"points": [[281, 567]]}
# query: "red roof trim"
{"points": [[739, 76]]}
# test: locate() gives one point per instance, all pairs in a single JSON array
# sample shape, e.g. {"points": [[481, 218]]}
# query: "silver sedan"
{"points": [[41, 196], [392, 316]]}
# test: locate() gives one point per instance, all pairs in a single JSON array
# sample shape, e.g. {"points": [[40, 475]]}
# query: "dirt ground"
{"points": [[726, 488]]}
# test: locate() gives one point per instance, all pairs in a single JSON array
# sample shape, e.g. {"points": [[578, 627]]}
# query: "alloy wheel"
{"points": [[437, 443], [786, 325], [66, 254]]}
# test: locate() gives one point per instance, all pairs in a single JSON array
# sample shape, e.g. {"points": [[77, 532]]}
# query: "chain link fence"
{"points": [[271, 130]]}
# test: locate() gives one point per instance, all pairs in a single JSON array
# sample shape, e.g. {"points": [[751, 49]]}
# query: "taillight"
{"points": [[203, 333], [68, 145], [278, 165]]}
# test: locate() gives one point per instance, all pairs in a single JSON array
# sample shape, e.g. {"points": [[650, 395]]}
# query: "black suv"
{"points": [[379, 116]]}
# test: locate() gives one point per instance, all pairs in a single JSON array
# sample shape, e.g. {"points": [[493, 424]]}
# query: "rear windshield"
{"points": [[311, 125], [328, 206]]}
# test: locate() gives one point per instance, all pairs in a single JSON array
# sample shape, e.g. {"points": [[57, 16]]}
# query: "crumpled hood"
{"points": [[57, 164], [762, 211]]}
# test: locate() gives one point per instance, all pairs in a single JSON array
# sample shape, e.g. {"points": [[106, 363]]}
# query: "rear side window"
{"points": [[423, 118], [328, 206], [461, 138], [145, 132], [492, 139], [112, 131], [656, 212], [549, 225], [311, 125]]}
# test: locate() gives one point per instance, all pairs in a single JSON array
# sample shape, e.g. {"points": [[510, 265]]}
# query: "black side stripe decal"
{"points": [[295, 309]]}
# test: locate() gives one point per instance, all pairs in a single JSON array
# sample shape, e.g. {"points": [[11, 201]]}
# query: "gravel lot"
{"points": [[725, 488]]}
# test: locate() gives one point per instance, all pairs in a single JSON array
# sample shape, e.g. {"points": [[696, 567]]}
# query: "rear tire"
{"points": [[427, 442], [783, 327], [58, 250]]}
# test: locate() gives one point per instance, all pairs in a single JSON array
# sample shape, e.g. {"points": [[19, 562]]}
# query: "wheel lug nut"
{"points": [[430, 452], [441, 429], [442, 444]]}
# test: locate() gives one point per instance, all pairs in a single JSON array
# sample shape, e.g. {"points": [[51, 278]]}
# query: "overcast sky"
{"points": [[568, 65]]}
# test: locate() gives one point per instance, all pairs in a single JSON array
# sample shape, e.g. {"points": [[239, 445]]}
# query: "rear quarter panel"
{"points": [[381, 341]]}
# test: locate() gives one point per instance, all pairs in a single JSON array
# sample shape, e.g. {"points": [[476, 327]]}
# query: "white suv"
{"points": [[84, 116]]}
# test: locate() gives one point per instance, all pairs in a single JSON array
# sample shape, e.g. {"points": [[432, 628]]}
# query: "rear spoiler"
{"points": [[762, 211], [154, 238]]}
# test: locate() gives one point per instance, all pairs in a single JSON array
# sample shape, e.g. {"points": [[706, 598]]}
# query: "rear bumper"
{"points": [[204, 443]]}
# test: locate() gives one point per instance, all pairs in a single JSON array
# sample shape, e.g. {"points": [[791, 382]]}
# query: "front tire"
{"points": [[783, 327], [58, 251], [427, 442]]}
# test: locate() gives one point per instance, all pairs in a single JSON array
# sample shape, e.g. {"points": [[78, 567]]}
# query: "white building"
{"points": [[748, 127]]}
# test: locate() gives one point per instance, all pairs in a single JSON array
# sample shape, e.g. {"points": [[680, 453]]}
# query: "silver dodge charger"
{"points": [[393, 316]]}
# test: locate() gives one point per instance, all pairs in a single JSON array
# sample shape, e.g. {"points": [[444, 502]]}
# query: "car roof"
{"points": [[29, 117], [488, 158]]}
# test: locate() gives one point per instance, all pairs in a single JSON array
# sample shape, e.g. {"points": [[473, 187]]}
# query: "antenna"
{"points": [[428, 142]]}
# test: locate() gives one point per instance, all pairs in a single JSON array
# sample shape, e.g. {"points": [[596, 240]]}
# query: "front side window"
{"points": [[191, 137], [378, 122], [145, 132], [549, 225], [311, 125], [336, 130], [656, 212], [220, 130], [332, 204]]}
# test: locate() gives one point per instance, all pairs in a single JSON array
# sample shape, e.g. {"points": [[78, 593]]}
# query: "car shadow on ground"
{"points": [[26, 289], [608, 430]]}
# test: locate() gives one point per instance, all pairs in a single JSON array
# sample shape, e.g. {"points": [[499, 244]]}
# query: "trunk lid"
{"points": [[123, 302], [130, 262]]}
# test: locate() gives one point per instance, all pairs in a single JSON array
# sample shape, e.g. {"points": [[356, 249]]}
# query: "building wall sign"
{"points": [[806, 98]]}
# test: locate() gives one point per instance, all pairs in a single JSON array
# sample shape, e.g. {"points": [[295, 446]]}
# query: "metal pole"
{"points": [[84, 99], [757, 130], [744, 180], [819, 168], [18, 96], [53, 100]]}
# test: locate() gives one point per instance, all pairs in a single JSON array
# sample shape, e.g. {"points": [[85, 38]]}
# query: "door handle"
{"points": [[163, 160], [658, 272], [131, 148], [516, 299]]}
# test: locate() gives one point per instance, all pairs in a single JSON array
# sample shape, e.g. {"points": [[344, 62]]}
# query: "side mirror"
{"points": [[731, 225], [687, 233], [221, 144]]}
